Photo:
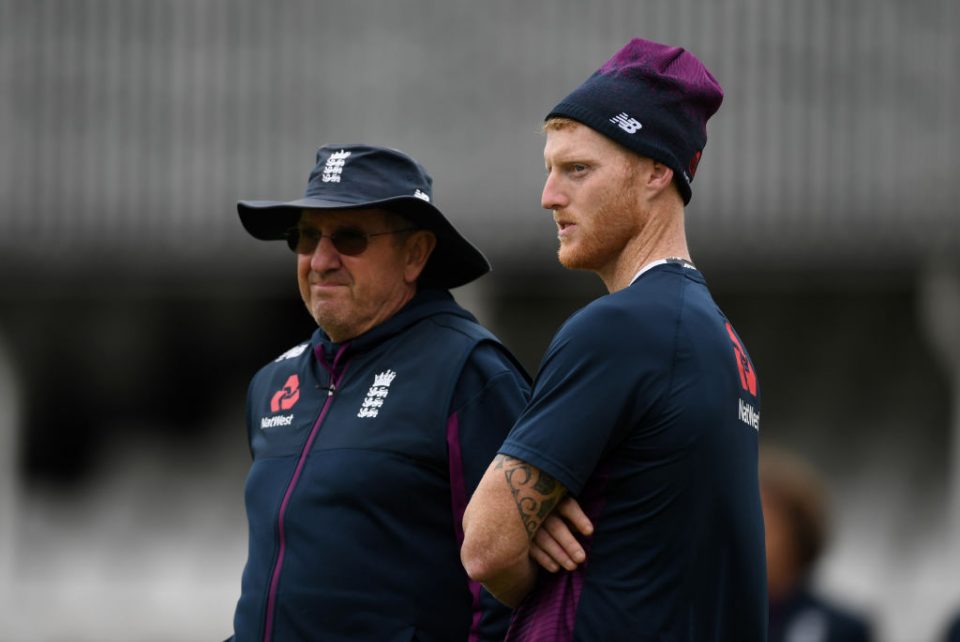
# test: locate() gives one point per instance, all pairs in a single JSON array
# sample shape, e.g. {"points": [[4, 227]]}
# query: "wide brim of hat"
{"points": [[454, 261]]}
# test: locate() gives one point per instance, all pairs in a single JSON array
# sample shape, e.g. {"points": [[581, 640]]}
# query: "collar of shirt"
{"points": [[653, 264]]}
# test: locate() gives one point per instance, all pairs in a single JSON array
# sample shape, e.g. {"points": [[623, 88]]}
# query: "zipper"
{"points": [[278, 564]]}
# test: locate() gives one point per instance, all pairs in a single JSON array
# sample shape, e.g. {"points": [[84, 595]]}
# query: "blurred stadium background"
{"points": [[133, 308]]}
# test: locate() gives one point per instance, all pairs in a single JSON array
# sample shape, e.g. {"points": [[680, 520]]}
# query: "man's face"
{"points": [[590, 190], [348, 295]]}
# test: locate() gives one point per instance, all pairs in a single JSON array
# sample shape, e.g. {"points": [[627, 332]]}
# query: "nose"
{"points": [[553, 196], [325, 257]]}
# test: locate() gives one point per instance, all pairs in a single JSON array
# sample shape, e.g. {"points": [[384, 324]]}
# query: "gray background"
{"points": [[133, 309]]}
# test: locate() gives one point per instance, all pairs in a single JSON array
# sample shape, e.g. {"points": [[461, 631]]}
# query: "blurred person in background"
{"points": [[953, 630], [796, 526], [368, 439], [642, 432]]}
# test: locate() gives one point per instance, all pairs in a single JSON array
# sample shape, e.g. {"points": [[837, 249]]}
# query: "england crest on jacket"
{"points": [[376, 395]]}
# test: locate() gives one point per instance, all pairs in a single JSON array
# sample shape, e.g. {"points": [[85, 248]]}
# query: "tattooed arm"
{"points": [[505, 513]]}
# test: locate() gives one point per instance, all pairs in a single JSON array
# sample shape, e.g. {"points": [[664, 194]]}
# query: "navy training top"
{"points": [[646, 407]]}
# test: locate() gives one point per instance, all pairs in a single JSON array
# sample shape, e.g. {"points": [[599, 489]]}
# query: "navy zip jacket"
{"points": [[364, 456]]}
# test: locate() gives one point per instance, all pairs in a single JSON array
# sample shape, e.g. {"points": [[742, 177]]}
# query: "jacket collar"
{"points": [[425, 303]]}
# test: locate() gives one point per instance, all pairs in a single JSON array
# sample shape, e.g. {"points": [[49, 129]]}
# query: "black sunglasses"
{"points": [[347, 240]]}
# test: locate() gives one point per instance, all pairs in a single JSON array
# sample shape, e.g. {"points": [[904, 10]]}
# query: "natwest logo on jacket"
{"points": [[287, 396], [747, 412]]}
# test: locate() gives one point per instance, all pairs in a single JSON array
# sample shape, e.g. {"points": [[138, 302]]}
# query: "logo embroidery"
{"points": [[626, 123], [286, 397], [748, 376], [746, 412], [334, 166], [422, 195], [376, 394], [292, 353], [694, 163]]}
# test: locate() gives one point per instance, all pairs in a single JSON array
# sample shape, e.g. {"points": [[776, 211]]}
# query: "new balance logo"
{"points": [[334, 166], [422, 195], [376, 394], [626, 123]]}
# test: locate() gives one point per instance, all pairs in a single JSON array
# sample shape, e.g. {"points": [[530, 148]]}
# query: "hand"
{"points": [[555, 546]]}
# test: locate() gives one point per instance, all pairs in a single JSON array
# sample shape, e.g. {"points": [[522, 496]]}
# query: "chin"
{"points": [[572, 259], [566, 262], [323, 317]]}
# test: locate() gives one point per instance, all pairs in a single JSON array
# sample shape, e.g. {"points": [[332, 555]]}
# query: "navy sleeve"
{"points": [[601, 369], [488, 399]]}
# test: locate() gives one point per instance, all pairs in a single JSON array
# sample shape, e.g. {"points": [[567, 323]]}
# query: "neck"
{"points": [[662, 236]]}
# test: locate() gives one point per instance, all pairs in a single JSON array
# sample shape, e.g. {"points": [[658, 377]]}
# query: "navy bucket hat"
{"points": [[360, 177], [654, 100]]}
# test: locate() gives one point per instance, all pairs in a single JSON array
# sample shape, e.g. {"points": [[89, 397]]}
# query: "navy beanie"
{"points": [[654, 100]]}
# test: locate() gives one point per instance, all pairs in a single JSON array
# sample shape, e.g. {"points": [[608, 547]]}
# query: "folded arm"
{"points": [[506, 511]]}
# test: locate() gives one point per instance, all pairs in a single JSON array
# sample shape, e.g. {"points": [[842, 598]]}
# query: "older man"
{"points": [[646, 405], [369, 438]]}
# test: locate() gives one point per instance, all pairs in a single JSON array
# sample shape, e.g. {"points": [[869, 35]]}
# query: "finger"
{"points": [[540, 557], [561, 537], [549, 547], [570, 510]]}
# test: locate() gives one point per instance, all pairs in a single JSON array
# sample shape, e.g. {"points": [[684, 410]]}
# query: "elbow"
{"points": [[477, 566], [507, 575], [489, 561]]}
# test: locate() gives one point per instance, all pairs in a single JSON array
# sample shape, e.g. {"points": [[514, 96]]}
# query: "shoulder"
{"points": [[290, 358], [459, 326], [486, 368], [491, 358], [292, 353], [486, 353], [641, 312], [491, 371]]}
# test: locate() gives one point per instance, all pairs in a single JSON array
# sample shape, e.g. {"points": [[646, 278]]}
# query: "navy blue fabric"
{"points": [[370, 544], [637, 410], [804, 616], [953, 633]]}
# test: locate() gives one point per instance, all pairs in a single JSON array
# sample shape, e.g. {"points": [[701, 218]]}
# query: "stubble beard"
{"points": [[611, 227]]}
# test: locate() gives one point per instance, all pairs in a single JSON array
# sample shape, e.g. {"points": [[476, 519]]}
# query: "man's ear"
{"points": [[419, 246], [659, 177]]}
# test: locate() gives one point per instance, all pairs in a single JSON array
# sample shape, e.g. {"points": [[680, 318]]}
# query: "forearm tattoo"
{"points": [[535, 492]]}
